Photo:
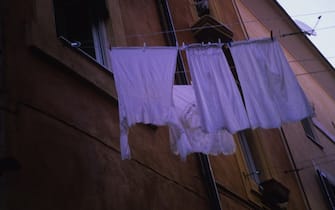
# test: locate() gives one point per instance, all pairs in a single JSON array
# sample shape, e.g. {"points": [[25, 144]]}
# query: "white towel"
{"points": [[271, 92], [196, 139], [144, 80], [220, 103]]}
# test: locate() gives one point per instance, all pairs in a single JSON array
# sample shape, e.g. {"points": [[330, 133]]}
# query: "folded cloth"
{"points": [[196, 139]]}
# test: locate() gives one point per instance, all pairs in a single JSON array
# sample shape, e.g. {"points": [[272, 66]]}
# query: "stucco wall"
{"points": [[63, 127]]}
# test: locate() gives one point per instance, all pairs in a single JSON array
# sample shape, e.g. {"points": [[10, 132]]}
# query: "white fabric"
{"points": [[144, 80], [271, 92], [196, 139], [220, 103]]}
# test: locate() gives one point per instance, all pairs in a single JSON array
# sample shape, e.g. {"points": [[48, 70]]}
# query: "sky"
{"points": [[308, 12]]}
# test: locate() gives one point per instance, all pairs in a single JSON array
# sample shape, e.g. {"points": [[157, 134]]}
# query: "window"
{"points": [[307, 125], [202, 7], [249, 155], [328, 187], [323, 130], [80, 23]]}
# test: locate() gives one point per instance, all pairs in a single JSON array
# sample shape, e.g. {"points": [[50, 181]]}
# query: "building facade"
{"points": [[59, 116]]}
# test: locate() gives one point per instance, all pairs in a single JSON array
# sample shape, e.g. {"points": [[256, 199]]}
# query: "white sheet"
{"points": [[220, 103], [271, 92], [144, 80]]}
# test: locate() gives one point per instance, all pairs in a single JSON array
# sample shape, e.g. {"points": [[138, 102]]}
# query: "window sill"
{"points": [[67, 43], [315, 142], [72, 58], [253, 191], [323, 130]]}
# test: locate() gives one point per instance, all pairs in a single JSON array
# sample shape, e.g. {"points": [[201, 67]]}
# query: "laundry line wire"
{"points": [[302, 164], [143, 35], [298, 74], [308, 59], [290, 61], [228, 24], [231, 24], [281, 171], [314, 13], [314, 72]]}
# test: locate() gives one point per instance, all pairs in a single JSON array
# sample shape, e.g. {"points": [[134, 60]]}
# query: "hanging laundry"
{"points": [[196, 139], [219, 101], [144, 80], [271, 92]]}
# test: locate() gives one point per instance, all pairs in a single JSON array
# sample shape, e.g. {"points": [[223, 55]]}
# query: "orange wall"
{"points": [[63, 126], [316, 77]]}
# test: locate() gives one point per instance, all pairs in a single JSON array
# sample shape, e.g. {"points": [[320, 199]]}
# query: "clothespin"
{"points": [[144, 46], [271, 34], [225, 45]]}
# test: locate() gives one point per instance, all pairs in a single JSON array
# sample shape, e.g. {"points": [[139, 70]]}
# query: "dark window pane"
{"points": [[306, 123], [73, 22]]}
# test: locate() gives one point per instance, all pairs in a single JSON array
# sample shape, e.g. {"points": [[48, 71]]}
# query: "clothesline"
{"points": [[206, 27], [203, 44], [299, 74], [290, 61], [218, 108]]}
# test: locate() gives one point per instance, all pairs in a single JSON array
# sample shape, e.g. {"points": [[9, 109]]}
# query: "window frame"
{"points": [[328, 188], [252, 189], [253, 172], [202, 7], [310, 132], [308, 128], [41, 37], [323, 130], [101, 43], [97, 33]]}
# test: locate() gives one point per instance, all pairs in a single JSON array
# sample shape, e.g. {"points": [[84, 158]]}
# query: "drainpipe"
{"points": [[171, 38], [295, 169], [2, 84], [181, 79], [208, 177], [2, 144]]}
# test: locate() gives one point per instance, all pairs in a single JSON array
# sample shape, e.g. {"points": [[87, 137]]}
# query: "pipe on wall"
{"points": [[295, 169], [171, 38], [181, 79]]}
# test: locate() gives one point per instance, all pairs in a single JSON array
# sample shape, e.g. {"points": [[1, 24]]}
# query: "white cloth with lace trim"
{"points": [[196, 139], [144, 78]]}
